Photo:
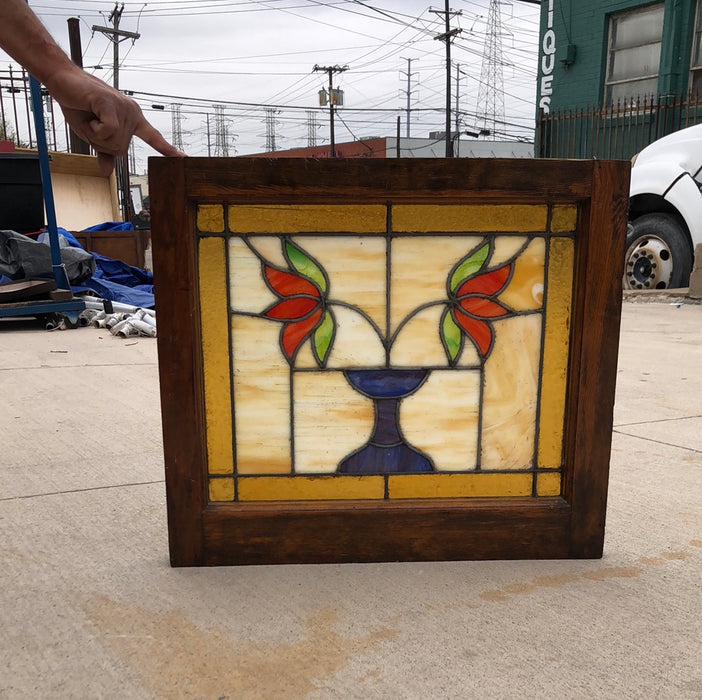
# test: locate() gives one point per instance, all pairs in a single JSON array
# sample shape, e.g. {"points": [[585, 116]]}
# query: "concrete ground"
{"points": [[89, 607]]}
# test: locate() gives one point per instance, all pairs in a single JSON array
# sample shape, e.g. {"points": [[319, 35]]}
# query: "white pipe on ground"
{"points": [[117, 307]]}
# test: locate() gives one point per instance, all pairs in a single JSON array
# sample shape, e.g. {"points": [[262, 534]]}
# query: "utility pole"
{"points": [[446, 37], [117, 35], [457, 115], [330, 70], [77, 143], [408, 93]]}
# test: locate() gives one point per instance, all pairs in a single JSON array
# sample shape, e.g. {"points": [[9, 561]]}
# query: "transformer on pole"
{"points": [[333, 98]]}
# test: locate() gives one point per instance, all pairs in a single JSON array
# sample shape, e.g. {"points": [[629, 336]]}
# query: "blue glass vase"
{"points": [[387, 451]]}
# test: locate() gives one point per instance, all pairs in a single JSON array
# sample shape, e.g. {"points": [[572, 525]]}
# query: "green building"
{"points": [[615, 75]]}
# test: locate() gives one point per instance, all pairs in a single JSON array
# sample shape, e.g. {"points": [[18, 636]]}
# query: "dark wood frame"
{"points": [[571, 525], [127, 246]]}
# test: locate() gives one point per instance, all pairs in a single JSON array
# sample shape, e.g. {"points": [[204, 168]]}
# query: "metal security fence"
{"points": [[16, 121], [616, 131]]}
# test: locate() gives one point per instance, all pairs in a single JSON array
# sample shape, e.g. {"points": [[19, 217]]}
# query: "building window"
{"points": [[696, 60], [634, 53]]}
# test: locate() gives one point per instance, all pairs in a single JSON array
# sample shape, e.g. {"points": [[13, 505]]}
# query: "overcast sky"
{"points": [[247, 56]]}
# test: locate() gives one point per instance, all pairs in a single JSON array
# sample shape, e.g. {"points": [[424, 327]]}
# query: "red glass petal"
{"points": [[488, 283], [292, 308], [483, 307], [286, 284], [479, 332], [294, 334]]}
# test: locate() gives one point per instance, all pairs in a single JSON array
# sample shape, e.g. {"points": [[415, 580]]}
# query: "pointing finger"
{"points": [[153, 137]]}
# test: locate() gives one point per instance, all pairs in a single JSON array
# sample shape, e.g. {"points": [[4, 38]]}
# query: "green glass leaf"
{"points": [[469, 265], [305, 265], [323, 338], [451, 337]]}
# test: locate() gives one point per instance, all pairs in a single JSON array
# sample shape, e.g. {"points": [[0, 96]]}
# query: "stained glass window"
{"points": [[384, 351]]}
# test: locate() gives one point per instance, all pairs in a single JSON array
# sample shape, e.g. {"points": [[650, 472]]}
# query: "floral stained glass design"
{"points": [[392, 363], [302, 305]]}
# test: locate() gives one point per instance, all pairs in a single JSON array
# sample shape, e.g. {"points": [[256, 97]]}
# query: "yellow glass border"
{"points": [[372, 487], [216, 351], [555, 352]]}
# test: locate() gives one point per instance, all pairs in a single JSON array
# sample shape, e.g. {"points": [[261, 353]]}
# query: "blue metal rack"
{"points": [[54, 310]]}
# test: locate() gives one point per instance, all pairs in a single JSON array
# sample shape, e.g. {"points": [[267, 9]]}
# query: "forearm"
{"points": [[101, 115], [25, 38]]}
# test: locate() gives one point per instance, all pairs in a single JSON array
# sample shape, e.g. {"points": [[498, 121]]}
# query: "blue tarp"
{"points": [[113, 279]]}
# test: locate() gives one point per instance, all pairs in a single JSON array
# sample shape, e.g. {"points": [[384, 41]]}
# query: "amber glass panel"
{"points": [[210, 218], [215, 350], [556, 351], [286, 218]]}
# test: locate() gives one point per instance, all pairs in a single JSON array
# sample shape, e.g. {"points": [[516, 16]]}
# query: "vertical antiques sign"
{"points": [[548, 61], [386, 360]]}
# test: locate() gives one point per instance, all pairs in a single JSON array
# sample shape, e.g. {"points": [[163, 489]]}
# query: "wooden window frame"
{"points": [[566, 526]]}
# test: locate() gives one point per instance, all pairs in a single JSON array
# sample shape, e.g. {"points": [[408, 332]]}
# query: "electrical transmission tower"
{"points": [[408, 93], [271, 123], [312, 128], [222, 136], [491, 95], [177, 127], [132, 158], [48, 117]]}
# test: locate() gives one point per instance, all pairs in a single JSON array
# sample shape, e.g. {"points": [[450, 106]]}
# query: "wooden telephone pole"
{"points": [[446, 37], [330, 70], [117, 35]]}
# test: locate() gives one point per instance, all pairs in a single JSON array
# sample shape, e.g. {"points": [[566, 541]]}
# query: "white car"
{"points": [[665, 211]]}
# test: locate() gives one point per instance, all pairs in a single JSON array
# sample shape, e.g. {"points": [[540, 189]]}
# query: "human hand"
{"points": [[103, 116]]}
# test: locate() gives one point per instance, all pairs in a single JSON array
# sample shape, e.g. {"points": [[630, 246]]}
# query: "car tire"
{"points": [[658, 254]]}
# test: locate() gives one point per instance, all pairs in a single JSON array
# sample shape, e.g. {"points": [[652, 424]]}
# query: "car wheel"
{"points": [[658, 254]]}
